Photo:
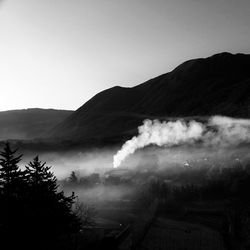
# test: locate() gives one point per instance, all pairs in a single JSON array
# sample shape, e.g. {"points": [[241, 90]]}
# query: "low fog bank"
{"points": [[150, 158], [83, 162], [180, 152], [202, 175], [96, 181], [214, 141]]}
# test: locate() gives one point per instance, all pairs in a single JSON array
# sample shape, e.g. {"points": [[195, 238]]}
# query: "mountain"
{"points": [[27, 124], [219, 84]]}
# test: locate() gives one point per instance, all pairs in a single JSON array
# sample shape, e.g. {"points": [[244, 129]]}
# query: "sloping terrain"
{"points": [[28, 124], [217, 85]]}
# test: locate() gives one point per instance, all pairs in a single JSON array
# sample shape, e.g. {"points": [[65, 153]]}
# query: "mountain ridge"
{"points": [[217, 85]]}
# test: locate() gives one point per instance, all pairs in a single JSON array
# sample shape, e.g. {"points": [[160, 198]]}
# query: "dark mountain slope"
{"points": [[219, 84], [29, 123]]}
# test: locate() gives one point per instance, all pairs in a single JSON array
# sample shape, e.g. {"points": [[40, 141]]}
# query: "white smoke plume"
{"points": [[218, 131], [229, 131]]}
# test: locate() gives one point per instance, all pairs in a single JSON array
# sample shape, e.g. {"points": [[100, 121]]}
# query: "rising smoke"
{"points": [[217, 131]]}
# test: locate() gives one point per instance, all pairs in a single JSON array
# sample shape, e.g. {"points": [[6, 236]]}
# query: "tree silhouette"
{"points": [[10, 174], [73, 178], [12, 186], [33, 214], [40, 178], [52, 209]]}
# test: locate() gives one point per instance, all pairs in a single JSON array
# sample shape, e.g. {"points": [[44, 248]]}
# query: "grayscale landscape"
{"points": [[124, 125]]}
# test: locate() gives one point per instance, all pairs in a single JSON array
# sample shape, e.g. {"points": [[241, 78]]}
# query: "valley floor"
{"points": [[173, 235]]}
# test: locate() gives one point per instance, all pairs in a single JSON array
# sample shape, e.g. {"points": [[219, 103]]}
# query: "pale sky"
{"points": [[59, 53]]}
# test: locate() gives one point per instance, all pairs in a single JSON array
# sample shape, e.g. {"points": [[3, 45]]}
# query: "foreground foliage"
{"points": [[33, 214]]}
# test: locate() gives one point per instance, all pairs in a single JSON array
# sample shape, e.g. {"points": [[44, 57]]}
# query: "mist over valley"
{"points": [[175, 148]]}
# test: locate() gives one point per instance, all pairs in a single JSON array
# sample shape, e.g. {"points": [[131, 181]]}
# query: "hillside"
{"points": [[219, 84], [28, 124]]}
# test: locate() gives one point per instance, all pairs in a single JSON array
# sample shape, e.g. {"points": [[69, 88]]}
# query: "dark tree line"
{"points": [[33, 214]]}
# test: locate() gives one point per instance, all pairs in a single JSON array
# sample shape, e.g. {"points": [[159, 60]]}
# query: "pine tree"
{"points": [[73, 178], [11, 195], [52, 209], [10, 173], [40, 178], [33, 214]]}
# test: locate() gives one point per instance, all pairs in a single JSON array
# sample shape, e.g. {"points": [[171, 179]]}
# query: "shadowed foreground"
{"points": [[172, 235]]}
